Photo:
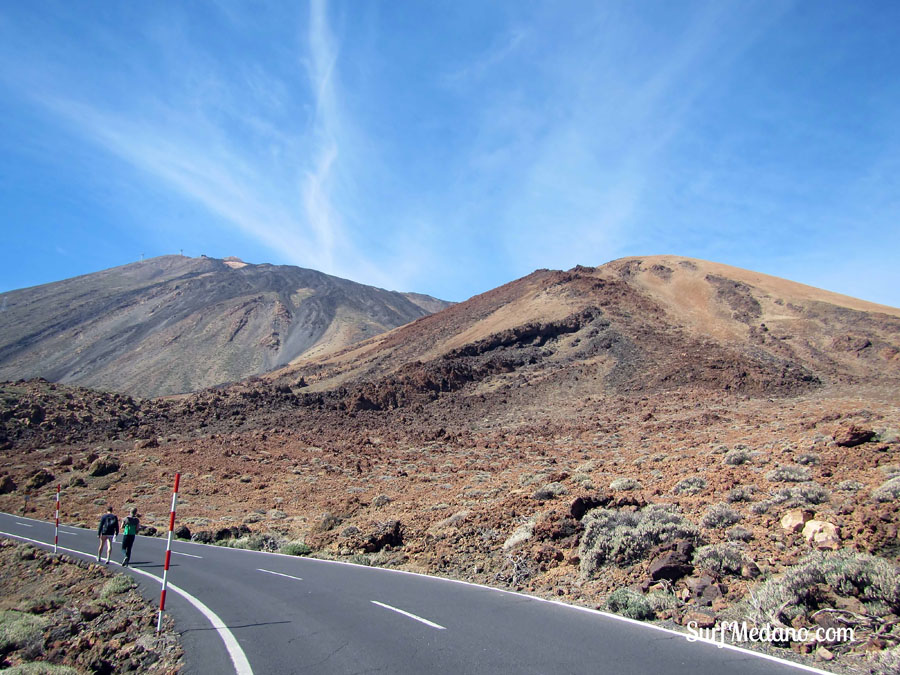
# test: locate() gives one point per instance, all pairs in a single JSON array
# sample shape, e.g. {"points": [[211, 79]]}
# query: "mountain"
{"points": [[175, 324], [633, 325], [658, 427]]}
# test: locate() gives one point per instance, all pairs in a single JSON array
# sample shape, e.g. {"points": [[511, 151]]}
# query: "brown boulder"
{"points": [[852, 435], [674, 563], [585, 503]]}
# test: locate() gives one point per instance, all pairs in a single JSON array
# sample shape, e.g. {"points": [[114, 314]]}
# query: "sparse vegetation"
{"points": [[736, 457], [40, 668], [873, 580], [809, 459], [851, 486], [625, 484], [741, 493], [788, 474], [119, 584], [738, 533], [296, 548], [628, 603], [720, 516], [624, 537], [722, 559], [888, 492], [691, 485], [810, 494], [550, 491], [22, 631]]}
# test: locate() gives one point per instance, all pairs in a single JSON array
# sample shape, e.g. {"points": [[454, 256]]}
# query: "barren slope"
{"points": [[176, 324]]}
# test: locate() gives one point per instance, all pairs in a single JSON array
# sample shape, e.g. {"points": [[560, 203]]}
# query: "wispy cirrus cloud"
{"points": [[266, 164]]}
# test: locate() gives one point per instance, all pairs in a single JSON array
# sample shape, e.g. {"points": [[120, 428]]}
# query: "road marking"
{"points": [[189, 555], [23, 524], [411, 616], [586, 610], [238, 658], [260, 569]]}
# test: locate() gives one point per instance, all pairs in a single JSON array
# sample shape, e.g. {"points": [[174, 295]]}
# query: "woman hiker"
{"points": [[107, 531], [129, 530]]}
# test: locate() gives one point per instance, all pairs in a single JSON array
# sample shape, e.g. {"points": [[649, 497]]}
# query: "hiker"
{"points": [[107, 531], [129, 529]]}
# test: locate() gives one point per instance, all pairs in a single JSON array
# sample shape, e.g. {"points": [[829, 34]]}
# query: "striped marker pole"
{"points": [[56, 536], [165, 579]]}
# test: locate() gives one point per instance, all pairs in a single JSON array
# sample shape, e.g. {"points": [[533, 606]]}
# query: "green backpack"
{"points": [[130, 526]]}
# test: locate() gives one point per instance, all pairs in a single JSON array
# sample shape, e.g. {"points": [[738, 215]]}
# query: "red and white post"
{"points": [[165, 579], [56, 536]]}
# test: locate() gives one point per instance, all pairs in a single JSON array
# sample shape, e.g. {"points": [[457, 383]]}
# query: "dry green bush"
{"points": [[788, 474], [629, 603], [736, 457], [613, 537], [691, 485], [624, 484], [741, 493], [719, 516], [722, 559], [119, 584], [809, 494], [888, 492], [874, 581], [22, 631]]}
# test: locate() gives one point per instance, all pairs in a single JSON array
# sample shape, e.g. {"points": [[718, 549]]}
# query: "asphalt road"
{"points": [[281, 615]]}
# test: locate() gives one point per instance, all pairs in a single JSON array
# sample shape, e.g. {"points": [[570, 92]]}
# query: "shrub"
{"points": [[801, 495], [629, 603], [888, 491], [759, 508], [691, 485], [788, 474], [119, 584], [873, 580], [40, 668], [722, 559], [852, 486], [521, 534], [19, 630], [809, 459], [361, 559], [257, 542], [736, 457], [738, 533], [719, 516], [622, 484], [660, 600], [549, 491], [740, 493], [624, 537], [296, 548]]}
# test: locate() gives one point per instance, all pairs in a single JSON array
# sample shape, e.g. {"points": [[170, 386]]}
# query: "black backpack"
{"points": [[109, 524]]}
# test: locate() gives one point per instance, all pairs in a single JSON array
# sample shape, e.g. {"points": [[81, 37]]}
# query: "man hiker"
{"points": [[107, 531], [129, 529]]}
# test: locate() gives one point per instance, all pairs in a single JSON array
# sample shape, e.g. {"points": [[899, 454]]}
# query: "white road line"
{"points": [[411, 616], [260, 569], [238, 658], [23, 524], [189, 555]]}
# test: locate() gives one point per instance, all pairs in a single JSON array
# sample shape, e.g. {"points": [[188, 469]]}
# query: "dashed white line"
{"points": [[23, 524], [260, 569], [189, 555], [411, 616]]}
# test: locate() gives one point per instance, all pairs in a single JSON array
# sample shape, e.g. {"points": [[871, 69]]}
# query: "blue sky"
{"points": [[450, 147]]}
